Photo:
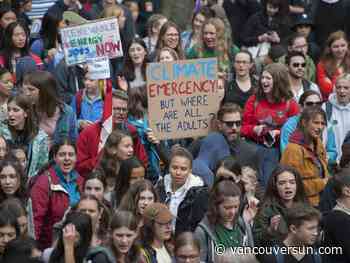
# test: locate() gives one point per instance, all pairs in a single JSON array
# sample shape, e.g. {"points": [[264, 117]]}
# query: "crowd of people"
{"points": [[271, 177]]}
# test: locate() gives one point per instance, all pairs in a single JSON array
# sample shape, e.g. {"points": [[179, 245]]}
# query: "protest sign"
{"points": [[183, 97], [98, 68], [99, 38]]}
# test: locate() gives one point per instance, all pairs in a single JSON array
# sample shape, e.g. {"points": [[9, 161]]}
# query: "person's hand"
{"points": [[258, 129], [122, 83], [263, 38], [274, 222], [51, 53], [70, 235], [274, 37], [250, 211], [151, 137]]}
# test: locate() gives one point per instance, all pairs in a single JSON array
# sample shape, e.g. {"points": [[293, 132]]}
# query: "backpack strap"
{"points": [[329, 109], [78, 101]]}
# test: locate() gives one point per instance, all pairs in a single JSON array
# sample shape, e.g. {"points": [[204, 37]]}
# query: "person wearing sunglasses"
{"points": [[296, 63], [310, 98]]}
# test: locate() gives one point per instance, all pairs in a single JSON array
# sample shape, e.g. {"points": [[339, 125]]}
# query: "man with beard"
{"points": [[296, 63], [303, 222]]}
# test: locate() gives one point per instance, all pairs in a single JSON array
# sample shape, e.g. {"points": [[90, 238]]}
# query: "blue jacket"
{"points": [[66, 125], [90, 110], [290, 126]]}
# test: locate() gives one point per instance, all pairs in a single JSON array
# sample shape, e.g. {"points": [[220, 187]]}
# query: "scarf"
{"points": [[342, 208], [71, 187]]}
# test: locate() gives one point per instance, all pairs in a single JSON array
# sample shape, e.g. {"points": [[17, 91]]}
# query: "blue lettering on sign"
{"points": [[197, 69], [158, 72], [74, 52]]}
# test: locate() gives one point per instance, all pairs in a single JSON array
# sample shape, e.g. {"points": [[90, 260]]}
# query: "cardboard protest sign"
{"points": [[98, 68], [183, 97], [99, 38]]}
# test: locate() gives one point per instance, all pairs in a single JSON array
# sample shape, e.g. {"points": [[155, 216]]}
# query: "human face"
{"points": [[7, 19], [165, 56], [209, 36], [300, 45], [339, 48], [286, 186], [94, 187], [27, 7], [23, 225], [16, 116], [120, 110], [306, 233], [187, 253], [198, 22], [66, 158], [3, 148], [180, 169], [266, 82], [31, 91], [171, 38], [125, 148], [7, 233], [312, 100], [230, 126], [90, 207], [137, 174], [242, 64], [297, 67], [123, 238], [342, 91], [315, 126], [19, 37], [304, 30], [162, 231], [91, 85], [9, 180], [228, 209], [137, 54], [146, 198], [271, 9], [6, 84]]}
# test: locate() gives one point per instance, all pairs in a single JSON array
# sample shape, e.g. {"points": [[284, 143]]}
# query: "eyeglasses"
{"points": [[297, 65], [312, 103], [230, 124]]}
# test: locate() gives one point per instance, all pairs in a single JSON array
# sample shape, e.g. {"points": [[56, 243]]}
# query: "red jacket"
{"points": [[87, 146], [263, 112], [48, 206], [325, 82]]}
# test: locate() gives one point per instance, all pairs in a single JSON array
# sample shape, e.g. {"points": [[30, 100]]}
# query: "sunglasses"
{"points": [[297, 65], [311, 103], [231, 123]]}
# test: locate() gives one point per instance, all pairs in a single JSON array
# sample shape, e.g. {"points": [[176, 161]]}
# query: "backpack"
{"points": [[280, 257]]}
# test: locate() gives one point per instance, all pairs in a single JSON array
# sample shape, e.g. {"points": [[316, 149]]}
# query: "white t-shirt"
{"points": [[162, 255]]}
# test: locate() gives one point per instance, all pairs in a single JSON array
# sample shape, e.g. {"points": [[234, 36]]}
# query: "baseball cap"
{"points": [[158, 212], [303, 19]]}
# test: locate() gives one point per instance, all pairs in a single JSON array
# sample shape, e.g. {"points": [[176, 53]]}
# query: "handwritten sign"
{"points": [[99, 38], [98, 68], [183, 97]]}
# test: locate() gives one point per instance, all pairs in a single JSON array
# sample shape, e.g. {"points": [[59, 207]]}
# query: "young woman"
{"points": [[123, 235], [187, 248], [266, 112], [214, 43], [334, 61], [154, 24], [21, 129], [15, 47], [7, 16], [285, 188], [155, 233], [130, 171], [16, 207], [135, 64], [6, 88], [20, 153], [55, 117], [223, 224], [55, 189], [193, 36], [100, 217], [12, 180], [138, 197], [306, 153], [169, 36], [9, 229], [96, 184], [118, 147], [167, 54], [48, 46]]}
